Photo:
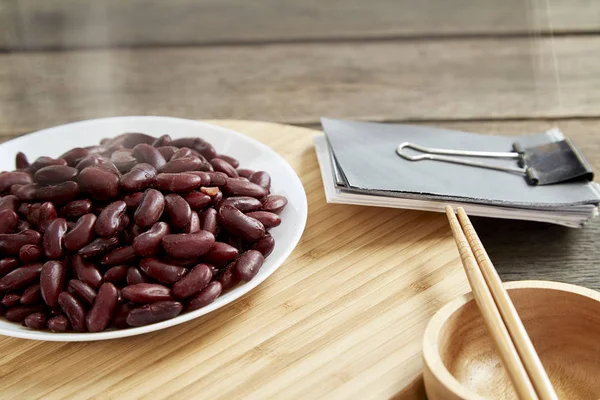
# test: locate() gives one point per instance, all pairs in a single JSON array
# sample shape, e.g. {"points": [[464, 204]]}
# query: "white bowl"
{"points": [[251, 154]]}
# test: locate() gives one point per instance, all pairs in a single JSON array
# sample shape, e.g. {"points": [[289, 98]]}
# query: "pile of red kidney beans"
{"points": [[130, 232]]}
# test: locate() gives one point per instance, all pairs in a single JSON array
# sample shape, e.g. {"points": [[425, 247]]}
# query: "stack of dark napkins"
{"points": [[359, 165]]}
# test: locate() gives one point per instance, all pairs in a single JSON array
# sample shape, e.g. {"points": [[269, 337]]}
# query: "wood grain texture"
{"points": [[299, 83], [32, 24], [343, 317]]}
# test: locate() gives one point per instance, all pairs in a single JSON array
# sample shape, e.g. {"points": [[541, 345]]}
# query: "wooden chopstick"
{"points": [[509, 314], [491, 315]]}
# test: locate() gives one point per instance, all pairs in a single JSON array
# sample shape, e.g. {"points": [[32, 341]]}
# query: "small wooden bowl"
{"points": [[563, 321]]}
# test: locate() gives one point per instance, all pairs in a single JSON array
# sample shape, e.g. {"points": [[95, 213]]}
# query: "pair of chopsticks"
{"points": [[506, 328]]}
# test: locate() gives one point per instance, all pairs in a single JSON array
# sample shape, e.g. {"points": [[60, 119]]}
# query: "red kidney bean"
{"points": [[122, 255], [182, 182], [216, 200], [54, 174], [30, 253], [274, 203], [198, 200], [150, 209], [182, 262], [86, 271], [10, 202], [229, 277], [102, 311], [138, 178], [136, 230], [182, 164], [145, 153], [133, 200], [23, 226], [108, 222], [60, 323], [162, 272], [116, 274], [20, 277], [178, 210], [7, 265], [31, 212], [21, 161], [83, 291], [58, 194], [131, 139], [11, 243], [81, 234], [209, 221], [261, 178], [19, 313], [244, 172], [8, 179], [73, 156], [248, 264], [148, 243], [35, 321], [42, 162], [206, 296], [194, 225], [53, 238], [8, 221], [200, 145], [220, 165], [134, 275], [47, 215], [183, 152], [123, 160], [268, 219], [52, 280], [196, 280], [153, 313], [265, 245], [234, 221], [204, 177], [31, 295], [120, 315], [217, 178], [164, 140], [99, 183], [239, 187], [75, 209], [243, 203], [10, 300], [74, 310], [230, 160], [220, 253], [24, 192], [167, 151], [188, 245], [146, 293]]}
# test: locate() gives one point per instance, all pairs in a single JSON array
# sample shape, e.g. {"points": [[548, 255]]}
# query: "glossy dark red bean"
{"points": [[58, 194], [25, 192], [265, 245], [122, 255], [236, 222], [183, 152], [198, 200], [134, 275], [229, 277], [196, 280], [8, 221], [47, 215], [31, 295], [109, 220], [19, 313], [8, 179], [163, 140], [244, 172], [220, 253], [230, 160], [239, 187], [31, 212], [10, 300], [60, 323], [153, 313], [98, 318], [167, 151], [162, 272], [30, 253], [52, 281], [82, 290], [217, 178], [74, 311], [182, 182], [248, 264], [93, 160], [274, 203], [243, 203], [200, 145], [205, 296], [204, 177], [178, 210], [120, 315], [99, 183], [86, 271], [220, 165], [131, 139], [116, 274], [146, 293], [123, 160], [188, 245], [35, 321], [148, 243], [81, 234], [150, 208], [21, 277], [53, 238], [55, 174], [73, 156], [11, 243], [261, 178], [138, 178], [10, 202], [268, 219], [194, 225], [7, 265], [145, 153], [209, 221], [75, 209], [182, 164], [21, 161], [42, 162], [137, 231], [133, 200]]}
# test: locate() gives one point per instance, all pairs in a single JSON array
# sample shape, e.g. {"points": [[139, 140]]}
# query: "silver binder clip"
{"points": [[549, 163]]}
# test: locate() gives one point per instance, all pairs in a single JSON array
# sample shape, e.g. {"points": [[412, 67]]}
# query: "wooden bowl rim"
{"points": [[431, 354]]}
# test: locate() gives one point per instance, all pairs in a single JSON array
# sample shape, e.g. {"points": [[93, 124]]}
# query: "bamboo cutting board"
{"points": [[342, 318]]}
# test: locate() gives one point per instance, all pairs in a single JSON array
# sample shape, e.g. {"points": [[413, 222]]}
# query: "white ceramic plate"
{"points": [[251, 154]]}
